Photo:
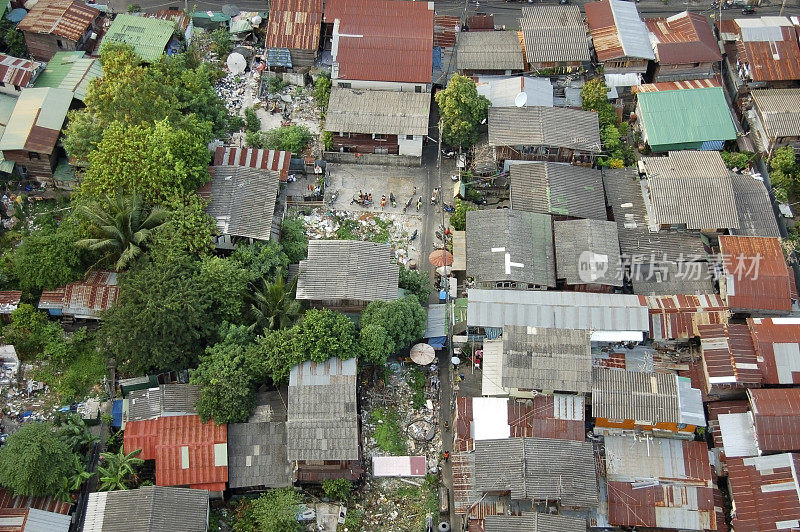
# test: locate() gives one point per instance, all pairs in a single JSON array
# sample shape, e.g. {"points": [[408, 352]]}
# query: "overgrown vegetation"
{"points": [[612, 131], [322, 91], [785, 170], [337, 489], [293, 138], [274, 510], [458, 220], [416, 381], [388, 433], [738, 159]]}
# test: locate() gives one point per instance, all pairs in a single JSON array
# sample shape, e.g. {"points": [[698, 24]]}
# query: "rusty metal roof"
{"points": [[678, 85], [776, 414], [729, 357], [777, 343], [444, 30], [65, 18], [683, 38], [715, 408], [47, 504], [18, 72], [294, 24], [678, 316], [254, 158], [617, 30], [768, 55], [755, 274], [480, 22], [36, 121], [765, 492], [9, 301], [382, 40]]}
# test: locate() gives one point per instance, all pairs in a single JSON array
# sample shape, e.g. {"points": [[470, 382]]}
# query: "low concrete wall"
{"points": [[295, 78], [372, 158]]}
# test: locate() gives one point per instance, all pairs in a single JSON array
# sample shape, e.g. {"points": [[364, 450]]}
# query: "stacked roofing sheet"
{"points": [[18, 72], [71, 71], [780, 110], [147, 508], [777, 344], [381, 40], [587, 252], [755, 274], [294, 24], [147, 36], [277, 161], [765, 492], [768, 49], [36, 121], [538, 468], [489, 50], [558, 189], [675, 317], [64, 18], [617, 30], [378, 112], [544, 126], [510, 246], [554, 34], [753, 205], [348, 270], [683, 38]]}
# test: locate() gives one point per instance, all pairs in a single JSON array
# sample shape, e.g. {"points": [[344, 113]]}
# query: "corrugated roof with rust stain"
{"points": [[777, 342], [36, 121], [294, 24], [683, 38], [382, 40], [765, 492], [678, 316], [16, 71], [554, 33], [254, 158], [65, 18], [729, 356], [444, 30], [756, 274], [186, 450], [776, 414], [617, 30], [678, 85], [47, 504], [480, 22], [715, 408], [771, 52], [9, 300]]}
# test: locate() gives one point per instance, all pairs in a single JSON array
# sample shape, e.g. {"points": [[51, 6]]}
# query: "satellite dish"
{"points": [[236, 63], [256, 20], [521, 99]]}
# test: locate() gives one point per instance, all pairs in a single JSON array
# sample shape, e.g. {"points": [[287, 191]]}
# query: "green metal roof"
{"points": [[72, 71], [686, 116], [7, 104], [44, 108], [147, 36]]}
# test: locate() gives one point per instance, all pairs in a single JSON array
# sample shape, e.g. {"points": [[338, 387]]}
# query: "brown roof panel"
{"points": [[606, 39], [16, 71], [678, 316], [765, 492], [294, 24], [64, 18], [444, 30], [777, 343], [715, 408], [773, 60], [480, 22], [275, 160], [729, 357], [776, 415], [678, 85], [683, 38], [756, 274], [47, 504]]}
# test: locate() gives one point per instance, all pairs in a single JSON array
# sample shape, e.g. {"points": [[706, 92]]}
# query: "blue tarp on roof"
{"points": [[116, 413], [279, 57], [437, 58], [437, 342], [712, 145]]}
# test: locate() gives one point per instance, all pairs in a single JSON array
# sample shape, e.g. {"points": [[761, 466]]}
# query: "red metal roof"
{"points": [[776, 415], [683, 38], [9, 300], [772, 60], [766, 333], [383, 40], [275, 160], [294, 24], [757, 277], [729, 356], [444, 30], [170, 440], [715, 408], [47, 504], [64, 18], [600, 19], [675, 317], [479, 22], [678, 85], [15, 71], [764, 490], [52, 298]]}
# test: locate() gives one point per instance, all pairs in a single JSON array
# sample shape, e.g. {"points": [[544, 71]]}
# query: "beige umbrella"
{"points": [[423, 354], [441, 257], [444, 270]]}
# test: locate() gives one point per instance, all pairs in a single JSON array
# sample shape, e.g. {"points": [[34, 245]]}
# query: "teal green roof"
{"points": [[4, 5], [7, 104], [72, 71], [45, 109], [147, 36], [686, 116], [64, 171]]}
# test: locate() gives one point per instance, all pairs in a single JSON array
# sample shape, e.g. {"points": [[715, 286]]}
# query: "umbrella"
{"points": [[230, 10], [236, 63], [423, 354], [455, 361], [441, 257], [444, 270], [16, 15]]}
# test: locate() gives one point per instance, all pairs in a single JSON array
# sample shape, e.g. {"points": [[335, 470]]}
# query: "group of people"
{"points": [[364, 198]]}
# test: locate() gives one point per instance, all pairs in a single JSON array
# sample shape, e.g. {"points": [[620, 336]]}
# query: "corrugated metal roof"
{"points": [[729, 356], [756, 275], [147, 36], [717, 408], [437, 321], [489, 50], [48, 504], [65, 18], [294, 24], [533, 522], [679, 85], [737, 434], [569, 310], [558, 189], [554, 33], [147, 509], [780, 110], [765, 492], [275, 160], [243, 200], [691, 188], [617, 30], [544, 126], [36, 121], [685, 117], [348, 269], [768, 49], [379, 112], [587, 252], [680, 316], [18, 72], [510, 246], [9, 301], [444, 30], [776, 414], [643, 397], [754, 206], [71, 71], [777, 343], [501, 91], [683, 38], [381, 40], [165, 400]]}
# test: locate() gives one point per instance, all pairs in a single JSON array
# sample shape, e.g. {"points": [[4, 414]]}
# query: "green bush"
{"points": [[416, 282], [275, 84], [740, 159], [322, 91], [252, 123], [459, 218], [388, 433], [337, 489], [292, 138], [416, 381], [235, 123]]}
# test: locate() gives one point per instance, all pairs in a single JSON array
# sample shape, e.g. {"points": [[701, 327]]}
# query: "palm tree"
{"points": [[272, 305], [124, 226], [117, 469]]}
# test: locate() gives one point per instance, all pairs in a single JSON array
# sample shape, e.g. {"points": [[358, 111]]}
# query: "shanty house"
{"points": [[502, 91], [628, 401], [765, 492], [147, 36], [19, 513], [621, 41], [684, 46], [147, 508], [322, 429], [384, 122], [7, 105], [489, 52], [9, 301], [771, 425], [295, 25], [72, 71], [560, 189], [729, 361], [85, 299], [380, 44], [681, 317], [587, 255], [555, 38], [59, 25], [775, 118], [31, 136], [553, 134], [347, 274], [533, 522], [17, 74]]}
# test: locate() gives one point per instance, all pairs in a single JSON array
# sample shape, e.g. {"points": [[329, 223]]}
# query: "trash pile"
{"points": [[233, 89]]}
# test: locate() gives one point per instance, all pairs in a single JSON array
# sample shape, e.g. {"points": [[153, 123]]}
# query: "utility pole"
{"points": [[783, 5], [439, 155]]}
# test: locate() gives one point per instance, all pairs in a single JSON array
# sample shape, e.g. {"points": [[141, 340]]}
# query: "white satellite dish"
{"points": [[521, 99], [236, 63], [256, 20]]}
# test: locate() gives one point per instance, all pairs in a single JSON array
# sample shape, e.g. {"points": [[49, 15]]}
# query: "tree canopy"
{"points": [[47, 258], [34, 460], [784, 169], [462, 110], [417, 282], [403, 319]]}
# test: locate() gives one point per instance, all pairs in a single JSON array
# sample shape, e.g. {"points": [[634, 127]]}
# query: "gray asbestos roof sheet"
{"points": [[781, 111], [147, 509], [380, 112], [539, 469], [644, 397], [557, 188], [348, 269], [756, 217], [243, 200], [544, 126], [489, 50], [166, 400], [533, 522], [510, 245], [574, 239], [554, 33], [257, 455]]}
